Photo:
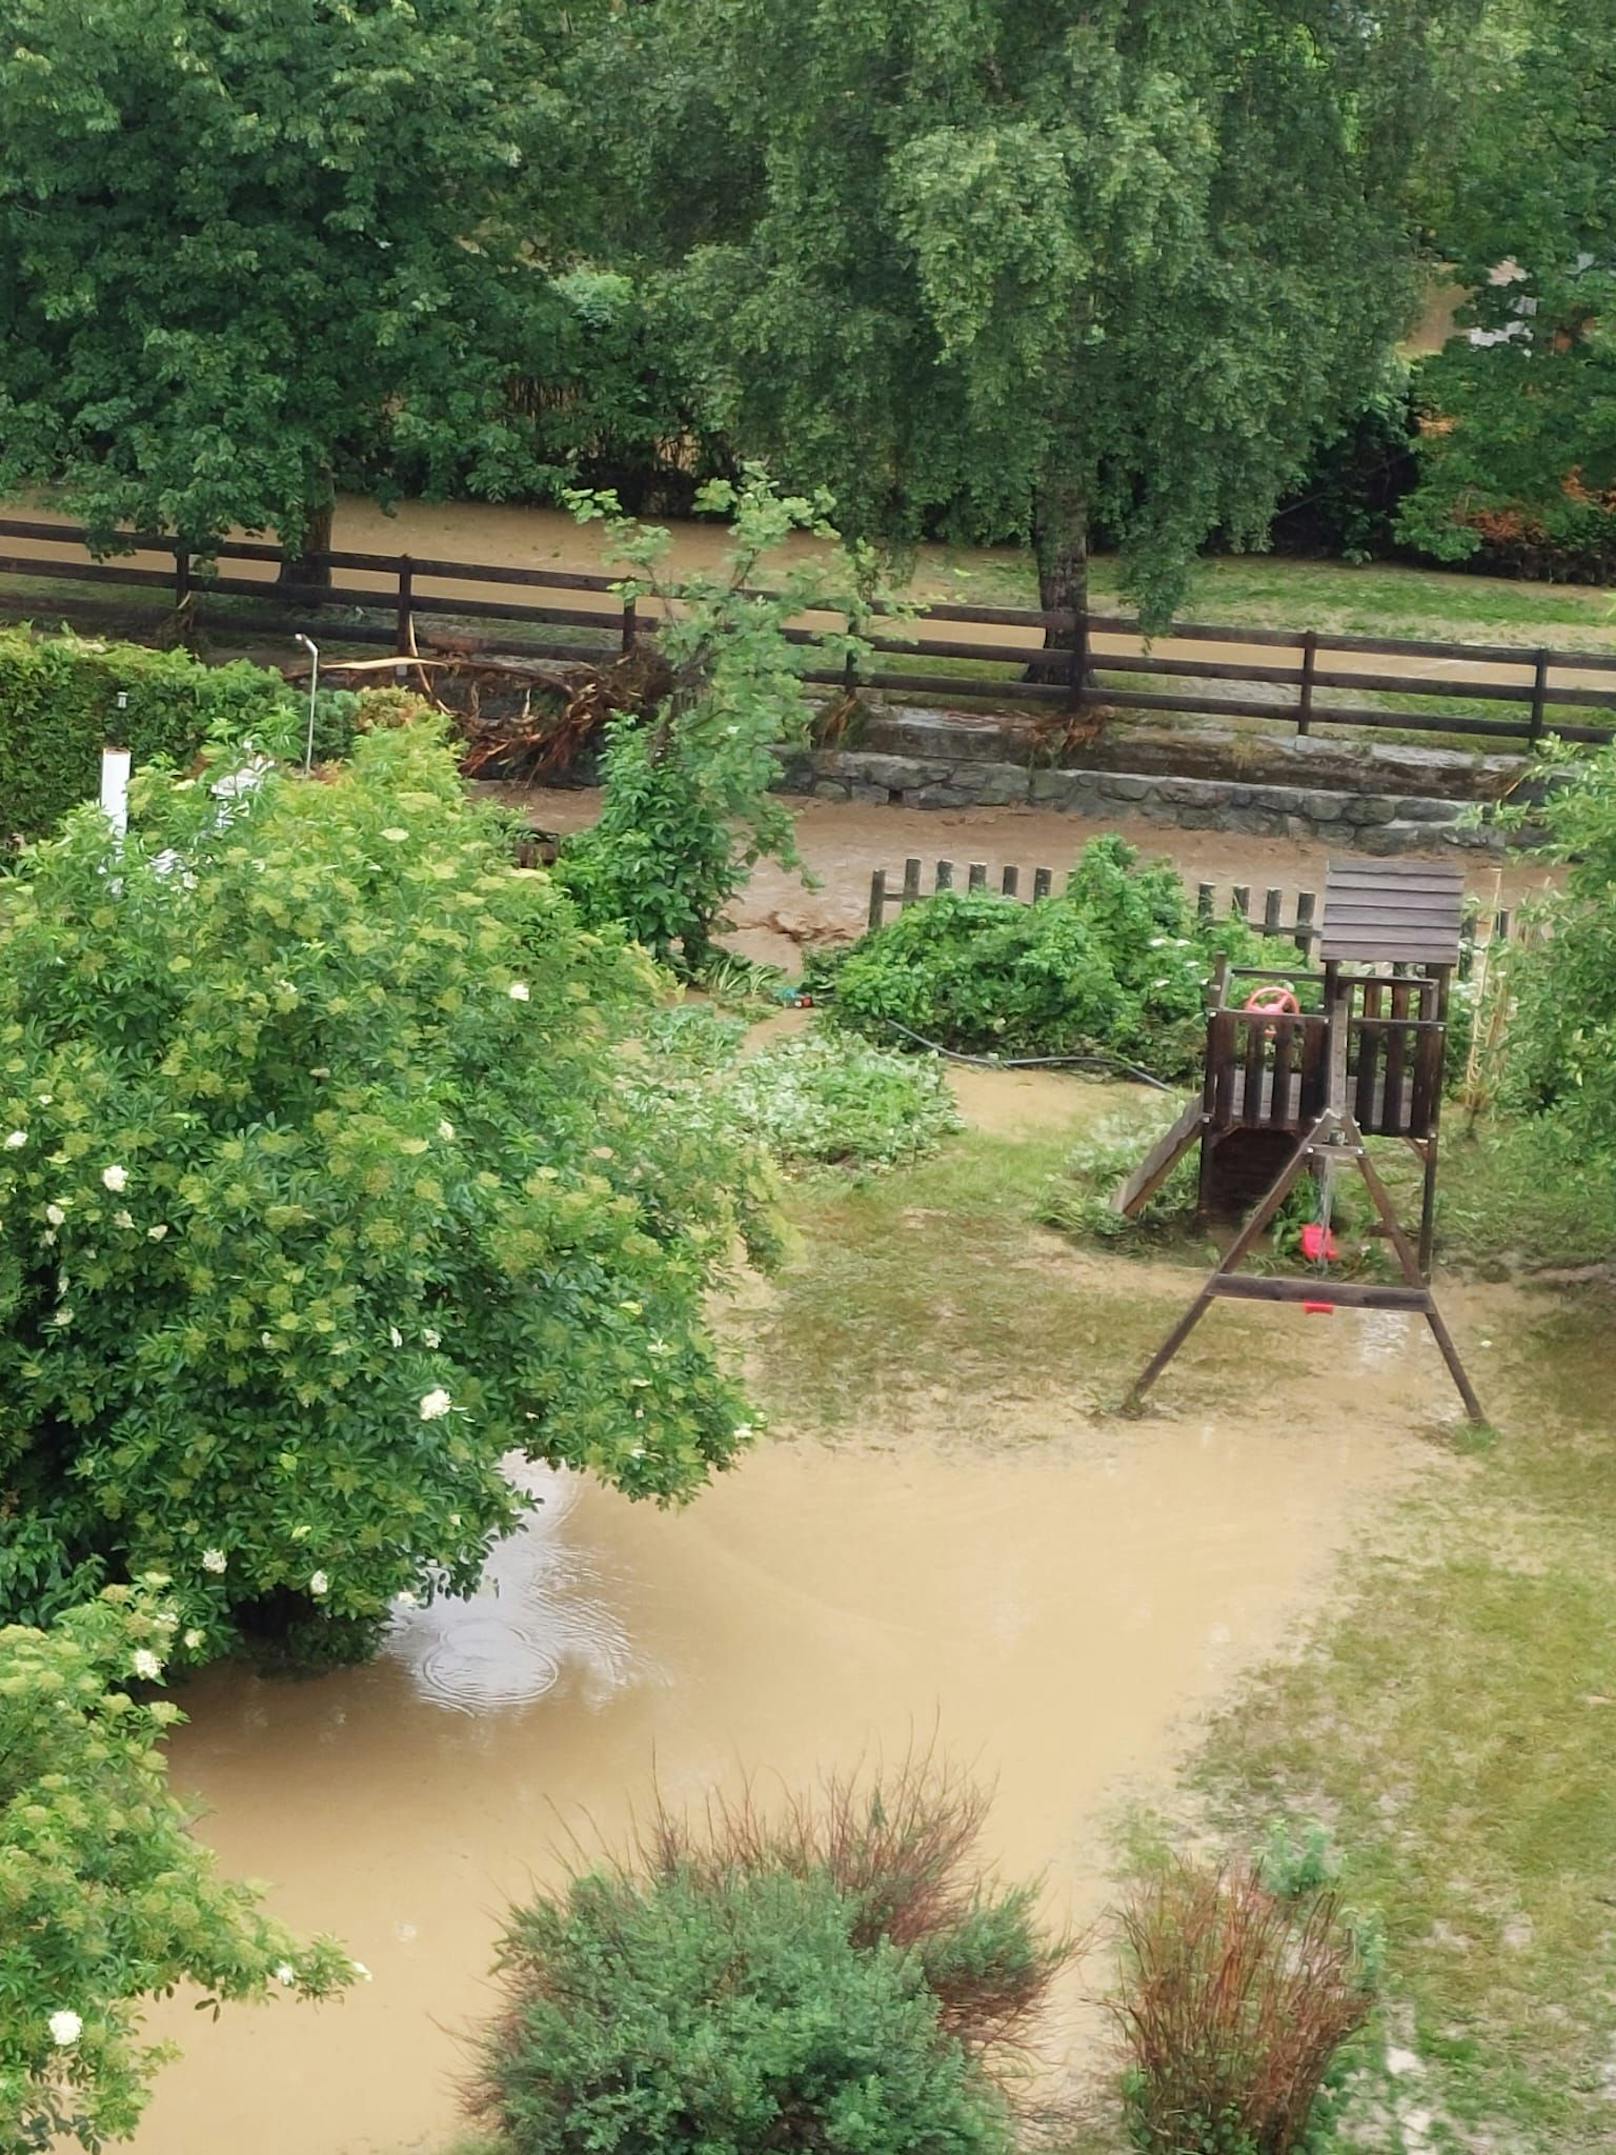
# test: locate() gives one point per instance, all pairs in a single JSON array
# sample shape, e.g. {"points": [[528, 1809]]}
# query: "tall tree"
{"points": [[1521, 409], [1029, 266], [246, 248]]}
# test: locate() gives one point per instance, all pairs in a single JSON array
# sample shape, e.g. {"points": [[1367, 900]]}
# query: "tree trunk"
{"points": [[302, 569], [1061, 544]]}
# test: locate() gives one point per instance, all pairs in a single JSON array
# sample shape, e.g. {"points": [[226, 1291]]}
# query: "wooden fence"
{"points": [[1211, 903], [392, 600]]}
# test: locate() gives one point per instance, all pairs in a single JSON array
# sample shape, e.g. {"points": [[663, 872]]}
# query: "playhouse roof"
{"points": [[1392, 912]]}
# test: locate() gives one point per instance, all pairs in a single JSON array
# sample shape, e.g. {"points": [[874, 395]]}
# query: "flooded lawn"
{"points": [[1054, 1596]]}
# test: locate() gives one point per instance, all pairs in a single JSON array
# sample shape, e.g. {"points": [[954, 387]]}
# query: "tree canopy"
{"points": [[1024, 266], [1521, 417], [244, 249]]}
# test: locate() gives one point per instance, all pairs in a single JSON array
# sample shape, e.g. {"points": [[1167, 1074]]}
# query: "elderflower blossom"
{"points": [[156, 1234], [116, 1179], [17, 1137], [123, 1219], [446, 1130], [285, 1972], [56, 1216], [518, 991], [319, 1584], [214, 1560], [435, 1405], [193, 1639], [65, 2027], [146, 1664], [395, 1337], [430, 1338], [395, 836]]}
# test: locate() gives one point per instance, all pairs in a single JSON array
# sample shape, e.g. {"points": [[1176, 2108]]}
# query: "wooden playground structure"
{"points": [[1290, 1090]]}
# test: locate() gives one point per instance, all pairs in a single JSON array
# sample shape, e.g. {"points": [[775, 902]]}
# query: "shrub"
{"points": [[329, 1174], [105, 1897], [1078, 1200], [843, 1980], [1233, 2006], [59, 708], [1116, 964], [688, 806], [829, 1099]]}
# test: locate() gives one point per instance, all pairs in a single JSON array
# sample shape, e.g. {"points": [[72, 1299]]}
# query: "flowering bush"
{"points": [[105, 1899], [329, 1174]]}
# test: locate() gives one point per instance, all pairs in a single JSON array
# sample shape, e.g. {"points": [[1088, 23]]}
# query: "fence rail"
{"points": [[1097, 654], [1234, 902]]}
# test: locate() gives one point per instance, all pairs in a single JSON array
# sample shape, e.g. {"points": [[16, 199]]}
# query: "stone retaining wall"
{"points": [[1377, 822]]}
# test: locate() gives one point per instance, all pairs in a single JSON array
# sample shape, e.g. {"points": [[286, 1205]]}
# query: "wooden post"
{"points": [[1540, 698], [910, 894], [977, 876], [1077, 672], [1043, 882], [1241, 901], [1203, 901], [403, 627], [631, 628], [1306, 902], [945, 876], [1444, 980], [1272, 905], [1304, 701], [1010, 882], [878, 898]]}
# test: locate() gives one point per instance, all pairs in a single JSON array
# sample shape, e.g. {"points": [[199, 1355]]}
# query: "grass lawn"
{"points": [[1454, 1726], [1278, 591]]}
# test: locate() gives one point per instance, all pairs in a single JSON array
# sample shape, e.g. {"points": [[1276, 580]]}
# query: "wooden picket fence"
{"points": [[1231, 902]]}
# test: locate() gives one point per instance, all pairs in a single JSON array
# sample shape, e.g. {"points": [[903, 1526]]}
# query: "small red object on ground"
{"points": [[1318, 1244], [1318, 1309]]}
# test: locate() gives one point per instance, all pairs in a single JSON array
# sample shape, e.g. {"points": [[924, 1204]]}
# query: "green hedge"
{"points": [[59, 708]]}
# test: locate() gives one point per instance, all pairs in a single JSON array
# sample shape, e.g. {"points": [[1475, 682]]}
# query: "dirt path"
{"points": [[842, 842], [1057, 1612]]}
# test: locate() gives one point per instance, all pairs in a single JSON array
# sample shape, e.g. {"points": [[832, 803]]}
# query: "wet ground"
{"points": [[1057, 1613]]}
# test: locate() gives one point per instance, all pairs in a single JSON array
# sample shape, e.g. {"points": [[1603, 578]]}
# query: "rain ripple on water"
{"points": [[542, 1612]]}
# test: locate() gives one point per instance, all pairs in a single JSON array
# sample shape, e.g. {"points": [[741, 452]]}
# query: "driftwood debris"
{"points": [[526, 720]]}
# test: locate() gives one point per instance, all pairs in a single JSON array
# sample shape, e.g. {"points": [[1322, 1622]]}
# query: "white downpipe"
{"points": [[313, 650]]}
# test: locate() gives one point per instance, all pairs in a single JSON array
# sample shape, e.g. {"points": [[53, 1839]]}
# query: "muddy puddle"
{"points": [[1055, 1616]]}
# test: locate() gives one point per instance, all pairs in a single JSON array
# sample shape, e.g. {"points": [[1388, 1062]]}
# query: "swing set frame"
{"points": [[1402, 914]]}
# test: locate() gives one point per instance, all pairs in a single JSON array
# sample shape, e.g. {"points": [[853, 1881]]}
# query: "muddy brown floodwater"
{"points": [[842, 842], [1056, 1615]]}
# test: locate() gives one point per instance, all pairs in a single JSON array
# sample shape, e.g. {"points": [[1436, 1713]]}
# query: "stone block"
{"points": [[1058, 789], [1123, 788], [999, 785]]}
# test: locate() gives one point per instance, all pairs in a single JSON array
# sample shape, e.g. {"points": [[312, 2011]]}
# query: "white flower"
{"points": [[266, 1339], [395, 1336], [743, 1432], [146, 1664], [395, 837], [17, 1137], [407, 1600], [518, 991], [300, 1533], [65, 2027], [115, 1178], [56, 1216], [193, 1639], [123, 1219], [454, 1518], [44, 1098], [430, 1338], [446, 1131], [285, 1973], [214, 1560], [435, 1405], [156, 1234], [362, 1971], [63, 1318], [319, 1583]]}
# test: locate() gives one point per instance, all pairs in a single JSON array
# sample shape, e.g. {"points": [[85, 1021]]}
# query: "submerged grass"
{"points": [[931, 1293]]}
